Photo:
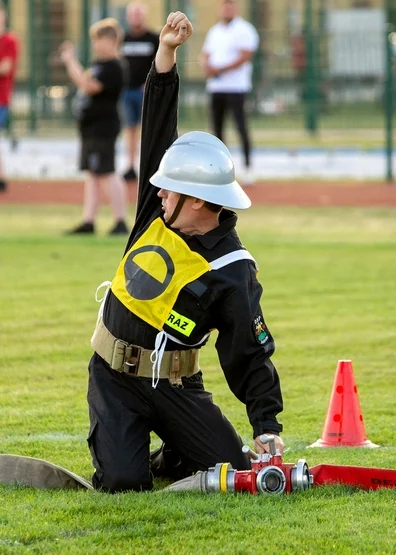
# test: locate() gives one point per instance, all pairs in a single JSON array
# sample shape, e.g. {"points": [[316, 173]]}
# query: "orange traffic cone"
{"points": [[344, 421]]}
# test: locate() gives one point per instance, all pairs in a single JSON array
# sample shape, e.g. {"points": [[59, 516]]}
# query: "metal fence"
{"points": [[325, 72]]}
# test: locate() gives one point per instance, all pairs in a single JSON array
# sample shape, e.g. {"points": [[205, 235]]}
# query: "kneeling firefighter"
{"points": [[183, 274]]}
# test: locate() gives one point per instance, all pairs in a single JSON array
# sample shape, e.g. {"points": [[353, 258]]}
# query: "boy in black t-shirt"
{"points": [[96, 109], [139, 49]]}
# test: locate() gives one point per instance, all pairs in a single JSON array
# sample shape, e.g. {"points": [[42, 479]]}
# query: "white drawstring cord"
{"points": [[157, 356], [106, 284], [161, 338], [103, 284]]}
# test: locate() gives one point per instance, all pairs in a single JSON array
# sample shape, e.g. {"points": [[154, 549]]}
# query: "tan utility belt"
{"points": [[131, 359]]}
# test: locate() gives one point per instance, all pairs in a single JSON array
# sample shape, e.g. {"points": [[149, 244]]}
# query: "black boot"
{"points": [[168, 463], [120, 228], [130, 175], [84, 228], [3, 186]]}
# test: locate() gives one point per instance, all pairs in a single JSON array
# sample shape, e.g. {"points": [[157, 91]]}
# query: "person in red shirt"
{"points": [[9, 48]]}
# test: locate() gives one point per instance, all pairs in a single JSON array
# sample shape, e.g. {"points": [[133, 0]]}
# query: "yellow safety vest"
{"points": [[150, 278], [154, 271]]}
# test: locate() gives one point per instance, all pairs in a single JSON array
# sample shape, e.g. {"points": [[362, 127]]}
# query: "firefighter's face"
{"points": [[169, 203]]}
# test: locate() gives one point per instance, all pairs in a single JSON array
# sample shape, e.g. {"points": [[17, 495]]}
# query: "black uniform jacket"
{"points": [[227, 299]]}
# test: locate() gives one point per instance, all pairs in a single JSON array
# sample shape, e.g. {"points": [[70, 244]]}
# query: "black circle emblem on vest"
{"points": [[141, 285]]}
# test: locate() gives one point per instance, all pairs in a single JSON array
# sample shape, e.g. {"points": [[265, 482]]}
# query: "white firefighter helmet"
{"points": [[199, 165]]}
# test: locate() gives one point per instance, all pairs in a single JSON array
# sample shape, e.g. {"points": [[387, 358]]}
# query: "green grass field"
{"points": [[329, 293]]}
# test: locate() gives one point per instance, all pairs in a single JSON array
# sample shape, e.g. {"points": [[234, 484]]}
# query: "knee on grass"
{"points": [[118, 482]]}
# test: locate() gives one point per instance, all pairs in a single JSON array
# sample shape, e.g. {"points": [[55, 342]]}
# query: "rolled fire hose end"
{"points": [[37, 473]]}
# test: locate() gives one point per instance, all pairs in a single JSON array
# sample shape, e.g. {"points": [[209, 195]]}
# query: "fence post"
{"points": [[168, 8], [104, 8], [45, 44], [311, 93], [258, 56], [181, 64], [32, 65], [388, 95], [7, 6], [85, 23], [181, 55]]}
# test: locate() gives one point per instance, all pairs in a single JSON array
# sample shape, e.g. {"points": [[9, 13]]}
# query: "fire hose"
{"points": [[269, 475]]}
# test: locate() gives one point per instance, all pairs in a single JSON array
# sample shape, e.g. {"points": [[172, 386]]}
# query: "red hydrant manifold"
{"points": [[268, 475], [271, 476]]}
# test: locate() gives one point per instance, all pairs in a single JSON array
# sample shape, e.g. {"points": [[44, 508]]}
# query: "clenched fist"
{"points": [[176, 31]]}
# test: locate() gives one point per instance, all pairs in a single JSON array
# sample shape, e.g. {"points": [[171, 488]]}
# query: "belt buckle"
{"points": [[131, 367], [174, 372], [118, 357]]}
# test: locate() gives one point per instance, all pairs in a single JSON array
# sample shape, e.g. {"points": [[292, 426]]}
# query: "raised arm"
{"points": [[160, 107], [81, 79]]}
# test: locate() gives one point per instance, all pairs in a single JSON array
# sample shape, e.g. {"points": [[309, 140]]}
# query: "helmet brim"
{"points": [[230, 195]]}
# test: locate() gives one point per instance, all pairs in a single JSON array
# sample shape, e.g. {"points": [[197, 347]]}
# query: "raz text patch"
{"points": [[180, 323]]}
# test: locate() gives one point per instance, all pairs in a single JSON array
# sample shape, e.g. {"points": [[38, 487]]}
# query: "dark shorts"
{"points": [[98, 155], [3, 116], [132, 100]]}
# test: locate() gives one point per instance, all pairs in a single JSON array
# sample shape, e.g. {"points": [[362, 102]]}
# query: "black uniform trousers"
{"points": [[221, 103], [124, 409]]}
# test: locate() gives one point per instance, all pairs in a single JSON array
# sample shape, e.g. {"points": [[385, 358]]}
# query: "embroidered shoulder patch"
{"points": [[260, 330]]}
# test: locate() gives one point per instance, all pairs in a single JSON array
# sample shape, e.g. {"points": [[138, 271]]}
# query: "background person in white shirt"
{"points": [[227, 63]]}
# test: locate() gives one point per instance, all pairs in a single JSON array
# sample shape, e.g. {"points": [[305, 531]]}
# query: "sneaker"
{"points": [[3, 186], [120, 228], [130, 175], [86, 227]]}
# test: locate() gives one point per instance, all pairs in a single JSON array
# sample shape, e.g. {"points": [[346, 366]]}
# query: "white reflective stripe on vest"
{"points": [[162, 337], [232, 257]]}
